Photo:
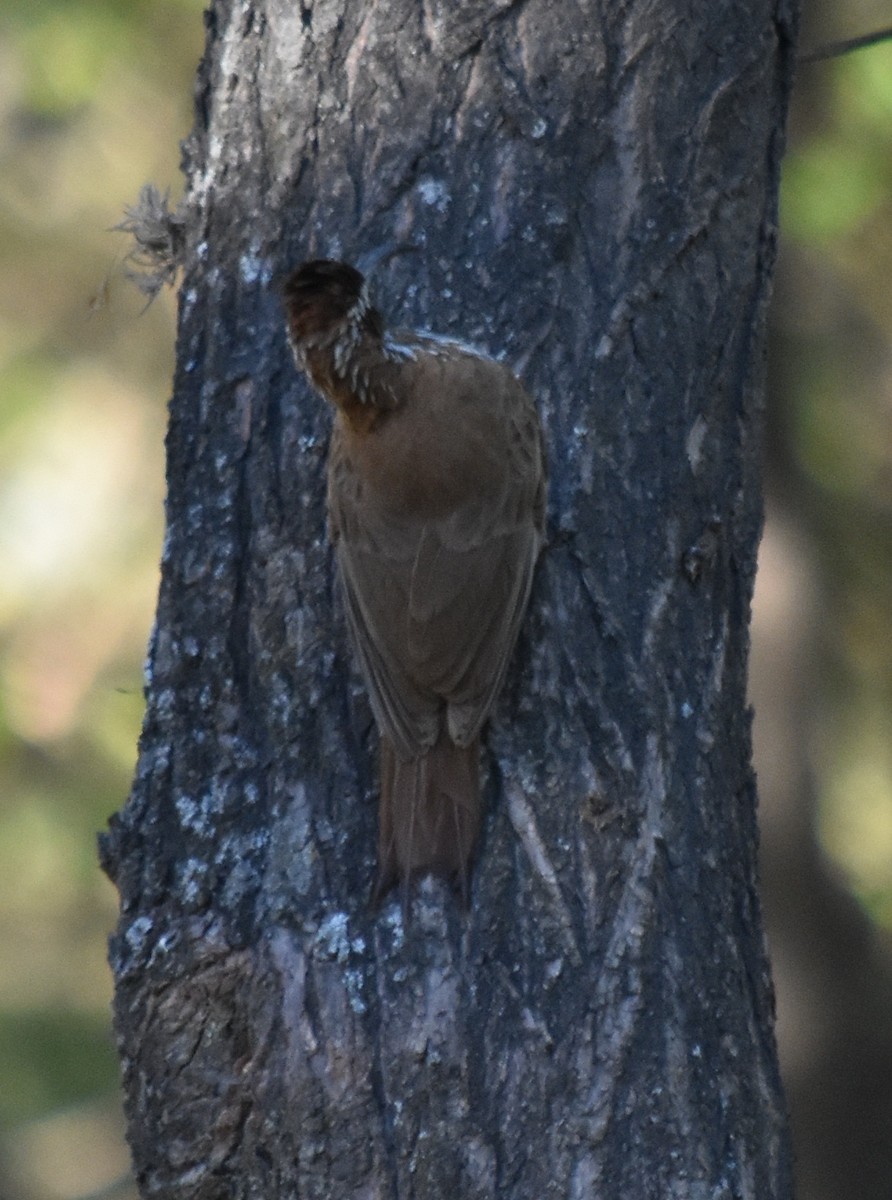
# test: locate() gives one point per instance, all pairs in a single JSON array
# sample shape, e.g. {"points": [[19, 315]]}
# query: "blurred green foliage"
{"points": [[52, 1057], [94, 98], [836, 208], [840, 177]]}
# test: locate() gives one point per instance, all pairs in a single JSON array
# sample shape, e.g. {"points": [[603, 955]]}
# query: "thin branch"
{"points": [[835, 49]]}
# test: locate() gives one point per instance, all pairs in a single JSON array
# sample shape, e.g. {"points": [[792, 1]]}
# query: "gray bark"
{"points": [[594, 191]]}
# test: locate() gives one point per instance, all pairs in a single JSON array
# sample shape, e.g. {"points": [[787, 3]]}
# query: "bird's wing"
{"points": [[375, 592]]}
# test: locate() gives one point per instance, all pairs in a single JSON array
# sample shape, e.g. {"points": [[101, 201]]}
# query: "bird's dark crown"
{"points": [[321, 294]]}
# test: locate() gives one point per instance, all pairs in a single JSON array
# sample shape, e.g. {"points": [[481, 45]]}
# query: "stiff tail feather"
{"points": [[429, 814]]}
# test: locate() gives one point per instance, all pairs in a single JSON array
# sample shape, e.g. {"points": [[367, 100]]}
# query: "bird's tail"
{"points": [[429, 814]]}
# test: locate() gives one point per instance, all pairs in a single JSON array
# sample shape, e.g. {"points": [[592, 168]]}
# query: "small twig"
{"points": [[835, 49]]}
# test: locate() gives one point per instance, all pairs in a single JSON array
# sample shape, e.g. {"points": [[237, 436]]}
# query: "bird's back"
{"points": [[437, 516]]}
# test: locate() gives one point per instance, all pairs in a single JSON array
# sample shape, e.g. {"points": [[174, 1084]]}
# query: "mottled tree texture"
{"points": [[593, 191], [436, 506]]}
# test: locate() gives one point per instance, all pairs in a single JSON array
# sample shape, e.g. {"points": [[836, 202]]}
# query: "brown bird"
{"points": [[436, 503]]}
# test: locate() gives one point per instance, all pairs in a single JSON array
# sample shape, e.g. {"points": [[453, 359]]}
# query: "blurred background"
{"points": [[94, 98]]}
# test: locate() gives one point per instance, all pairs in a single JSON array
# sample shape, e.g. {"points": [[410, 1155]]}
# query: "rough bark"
{"points": [[594, 192]]}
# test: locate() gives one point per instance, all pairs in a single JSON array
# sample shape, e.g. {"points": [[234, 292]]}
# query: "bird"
{"points": [[436, 511]]}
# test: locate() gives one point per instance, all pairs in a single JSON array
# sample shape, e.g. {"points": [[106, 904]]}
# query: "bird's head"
{"points": [[323, 298]]}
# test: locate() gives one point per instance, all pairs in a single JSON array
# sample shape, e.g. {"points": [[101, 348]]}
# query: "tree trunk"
{"points": [[594, 195]]}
